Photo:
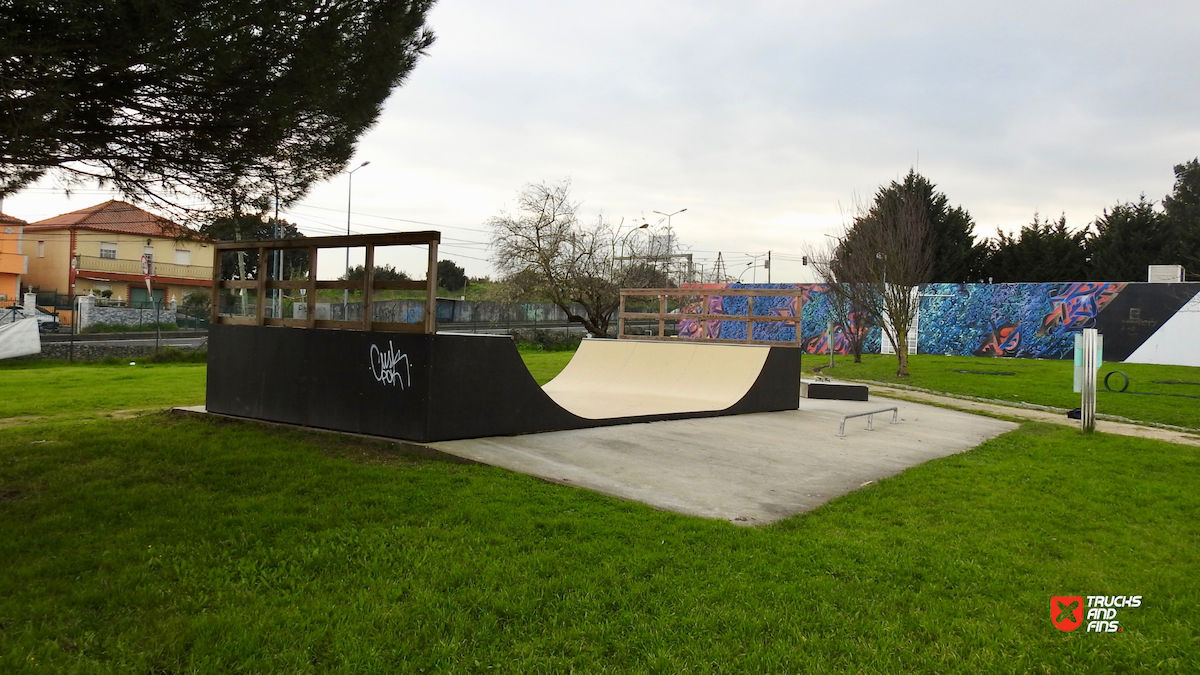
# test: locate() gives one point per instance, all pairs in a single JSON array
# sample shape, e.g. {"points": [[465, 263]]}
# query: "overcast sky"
{"points": [[766, 120]]}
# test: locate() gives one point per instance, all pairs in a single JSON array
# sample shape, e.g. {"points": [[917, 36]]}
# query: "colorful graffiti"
{"points": [[1027, 320], [816, 314], [1012, 320]]}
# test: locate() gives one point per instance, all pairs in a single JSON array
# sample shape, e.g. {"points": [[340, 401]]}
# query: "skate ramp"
{"points": [[630, 378], [435, 387]]}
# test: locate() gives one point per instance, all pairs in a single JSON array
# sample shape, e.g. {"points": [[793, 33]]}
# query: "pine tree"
{"points": [[1129, 238], [1043, 251], [230, 100], [1182, 208], [954, 254]]}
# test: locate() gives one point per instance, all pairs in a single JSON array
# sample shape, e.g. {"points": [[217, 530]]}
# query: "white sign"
{"points": [[20, 339]]}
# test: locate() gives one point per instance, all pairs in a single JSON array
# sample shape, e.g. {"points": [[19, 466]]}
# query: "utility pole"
{"points": [[349, 195], [768, 267]]}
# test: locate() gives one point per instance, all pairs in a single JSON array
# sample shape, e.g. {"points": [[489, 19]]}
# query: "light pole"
{"points": [[349, 196], [669, 250], [626, 237], [668, 216]]}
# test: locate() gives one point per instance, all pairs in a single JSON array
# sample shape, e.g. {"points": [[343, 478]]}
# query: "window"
{"points": [[41, 249], [183, 256], [148, 251], [108, 250]]}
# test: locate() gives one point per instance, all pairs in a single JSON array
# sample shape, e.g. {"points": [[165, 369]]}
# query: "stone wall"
{"points": [[94, 351], [124, 316]]}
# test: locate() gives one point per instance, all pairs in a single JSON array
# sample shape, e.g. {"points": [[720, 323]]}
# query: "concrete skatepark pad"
{"points": [[746, 469], [443, 386]]}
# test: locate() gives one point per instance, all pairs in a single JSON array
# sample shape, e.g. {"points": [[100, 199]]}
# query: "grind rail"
{"points": [[869, 414]]}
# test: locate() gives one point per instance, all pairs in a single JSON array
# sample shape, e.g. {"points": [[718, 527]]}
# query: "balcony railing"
{"points": [[89, 263]]}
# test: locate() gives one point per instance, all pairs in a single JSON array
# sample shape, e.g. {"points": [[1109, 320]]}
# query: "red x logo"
{"points": [[1066, 612]]}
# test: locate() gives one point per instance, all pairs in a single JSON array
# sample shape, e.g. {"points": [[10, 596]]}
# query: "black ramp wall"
{"points": [[416, 387]]}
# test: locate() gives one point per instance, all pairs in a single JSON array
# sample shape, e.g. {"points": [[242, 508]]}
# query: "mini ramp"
{"points": [[443, 386]]}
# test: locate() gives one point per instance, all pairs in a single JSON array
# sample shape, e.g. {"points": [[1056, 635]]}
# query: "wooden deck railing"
{"points": [[703, 317], [262, 284]]}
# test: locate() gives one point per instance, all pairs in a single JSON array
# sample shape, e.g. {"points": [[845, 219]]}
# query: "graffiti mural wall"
{"points": [[1033, 321], [815, 317], [1039, 320]]}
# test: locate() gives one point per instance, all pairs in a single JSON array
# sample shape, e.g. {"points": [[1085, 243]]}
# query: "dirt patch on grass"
{"points": [[9, 422]]}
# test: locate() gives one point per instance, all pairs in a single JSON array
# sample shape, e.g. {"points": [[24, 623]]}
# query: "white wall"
{"points": [[1175, 343]]}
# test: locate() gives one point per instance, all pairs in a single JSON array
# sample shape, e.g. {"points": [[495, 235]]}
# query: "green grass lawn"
{"points": [[160, 544], [1043, 382], [48, 389], [544, 366]]}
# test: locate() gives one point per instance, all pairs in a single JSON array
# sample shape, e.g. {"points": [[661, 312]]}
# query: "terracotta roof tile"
{"points": [[9, 220], [114, 216]]}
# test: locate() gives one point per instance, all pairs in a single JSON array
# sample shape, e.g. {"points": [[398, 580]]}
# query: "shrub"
{"points": [[546, 340]]}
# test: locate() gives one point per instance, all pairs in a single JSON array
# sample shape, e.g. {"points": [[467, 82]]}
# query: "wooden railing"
{"points": [[262, 284], [703, 294]]}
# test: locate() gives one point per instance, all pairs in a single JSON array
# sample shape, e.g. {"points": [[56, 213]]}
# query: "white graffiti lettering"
{"points": [[386, 366]]}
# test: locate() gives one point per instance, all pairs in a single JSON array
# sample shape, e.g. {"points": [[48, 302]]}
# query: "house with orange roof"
{"points": [[13, 262], [100, 248]]}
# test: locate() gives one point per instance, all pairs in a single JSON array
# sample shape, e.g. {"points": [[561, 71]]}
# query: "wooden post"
{"points": [[368, 287], [799, 320], [311, 317], [750, 322], [662, 311], [214, 315], [260, 291], [704, 316], [621, 318], [431, 291]]}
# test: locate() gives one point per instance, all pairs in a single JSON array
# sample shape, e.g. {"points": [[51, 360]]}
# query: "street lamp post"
{"points": [[669, 250], [626, 237], [349, 196]]}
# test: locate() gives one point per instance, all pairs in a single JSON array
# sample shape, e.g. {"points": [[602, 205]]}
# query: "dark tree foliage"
{"points": [[1129, 238], [954, 254], [1042, 251], [639, 274], [1182, 208], [232, 100], [382, 273], [246, 227], [450, 276]]}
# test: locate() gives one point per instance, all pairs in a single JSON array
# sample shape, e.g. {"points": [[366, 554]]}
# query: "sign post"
{"points": [[148, 271], [1089, 355]]}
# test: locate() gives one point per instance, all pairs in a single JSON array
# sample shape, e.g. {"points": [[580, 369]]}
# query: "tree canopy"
{"points": [[1044, 250], [882, 259], [1129, 238], [954, 256], [1182, 208], [382, 273], [230, 100], [450, 276], [258, 226], [546, 253]]}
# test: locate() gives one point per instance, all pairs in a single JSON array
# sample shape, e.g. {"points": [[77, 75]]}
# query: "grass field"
{"points": [[544, 366], [165, 545], [1043, 382], [50, 389]]}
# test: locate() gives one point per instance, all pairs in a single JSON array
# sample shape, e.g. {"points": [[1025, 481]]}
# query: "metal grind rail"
{"points": [[869, 414]]}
